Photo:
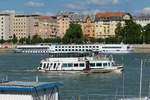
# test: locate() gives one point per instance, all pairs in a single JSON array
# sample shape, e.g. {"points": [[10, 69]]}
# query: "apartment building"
{"points": [[106, 23], [142, 20], [63, 22], [24, 25], [88, 27], [47, 27], [5, 27]]}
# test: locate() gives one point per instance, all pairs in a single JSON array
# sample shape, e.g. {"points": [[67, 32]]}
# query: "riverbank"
{"points": [[141, 48], [5, 50]]}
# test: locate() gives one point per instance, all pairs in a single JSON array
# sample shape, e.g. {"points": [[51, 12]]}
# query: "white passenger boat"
{"points": [[74, 48], [96, 64]]}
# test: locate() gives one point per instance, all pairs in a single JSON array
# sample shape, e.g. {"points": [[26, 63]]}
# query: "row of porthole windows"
{"points": [[77, 46], [75, 49]]}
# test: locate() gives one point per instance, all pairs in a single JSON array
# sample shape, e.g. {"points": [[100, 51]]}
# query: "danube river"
{"points": [[22, 67]]}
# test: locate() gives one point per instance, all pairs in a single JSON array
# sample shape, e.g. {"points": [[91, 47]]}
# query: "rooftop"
{"points": [[27, 86], [110, 14]]}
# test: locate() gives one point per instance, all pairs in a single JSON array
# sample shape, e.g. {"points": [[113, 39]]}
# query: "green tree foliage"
{"points": [[36, 39], [146, 34], [28, 40], [131, 33], [14, 40], [22, 40], [74, 34], [52, 40]]}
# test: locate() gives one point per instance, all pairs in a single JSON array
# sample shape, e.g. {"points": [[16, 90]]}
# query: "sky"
{"points": [[51, 7]]}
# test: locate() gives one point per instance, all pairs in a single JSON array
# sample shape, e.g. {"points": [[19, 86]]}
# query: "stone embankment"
{"points": [[4, 50], [141, 48]]}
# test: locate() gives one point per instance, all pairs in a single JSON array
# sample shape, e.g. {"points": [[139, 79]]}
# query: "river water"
{"points": [[22, 67]]}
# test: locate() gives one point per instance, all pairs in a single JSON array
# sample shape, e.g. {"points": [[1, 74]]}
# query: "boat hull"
{"points": [[117, 69]]}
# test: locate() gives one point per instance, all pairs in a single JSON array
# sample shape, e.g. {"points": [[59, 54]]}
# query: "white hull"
{"points": [[116, 70], [82, 48]]}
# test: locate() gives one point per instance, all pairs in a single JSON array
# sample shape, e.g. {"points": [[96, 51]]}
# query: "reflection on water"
{"points": [[83, 86]]}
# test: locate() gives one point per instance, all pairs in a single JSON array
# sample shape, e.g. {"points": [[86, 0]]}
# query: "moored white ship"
{"points": [[75, 48], [96, 64]]}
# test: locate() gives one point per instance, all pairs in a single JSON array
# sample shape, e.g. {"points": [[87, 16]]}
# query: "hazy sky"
{"points": [[49, 7]]}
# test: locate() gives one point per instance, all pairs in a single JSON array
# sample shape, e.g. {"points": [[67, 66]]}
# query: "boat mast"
{"points": [[141, 79]]}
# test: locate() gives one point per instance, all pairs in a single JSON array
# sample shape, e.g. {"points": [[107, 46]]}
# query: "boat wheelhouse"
{"points": [[95, 64]]}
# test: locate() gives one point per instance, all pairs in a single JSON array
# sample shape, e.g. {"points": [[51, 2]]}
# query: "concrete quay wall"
{"points": [[141, 48]]}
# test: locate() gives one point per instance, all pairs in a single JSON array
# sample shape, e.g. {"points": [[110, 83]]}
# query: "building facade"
{"points": [[88, 27], [5, 27], [106, 23], [47, 27], [24, 25], [63, 22], [142, 20]]}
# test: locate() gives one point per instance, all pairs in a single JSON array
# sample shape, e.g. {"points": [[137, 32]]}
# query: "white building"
{"points": [[142, 20], [14, 90], [4, 26]]}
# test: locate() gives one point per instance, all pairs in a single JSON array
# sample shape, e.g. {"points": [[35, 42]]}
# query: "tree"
{"points": [[28, 40], [22, 40], [146, 34], [52, 40], [14, 40], [36, 39], [74, 34], [118, 32], [131, 33]]}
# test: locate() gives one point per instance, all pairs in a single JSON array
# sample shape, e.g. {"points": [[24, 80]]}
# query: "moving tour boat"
{"points": [[95, 64], [74, 48]]}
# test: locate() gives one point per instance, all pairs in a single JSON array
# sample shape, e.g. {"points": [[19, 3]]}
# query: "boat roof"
{"points": [[28, 86]]}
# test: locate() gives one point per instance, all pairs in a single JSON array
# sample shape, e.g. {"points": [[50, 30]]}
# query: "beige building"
{"points": [[106, 23], [5, 27], [24, 25], [47, 27], [88, 27], [63, 22]]}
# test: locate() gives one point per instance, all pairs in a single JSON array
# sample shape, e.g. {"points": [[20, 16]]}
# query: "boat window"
{"points": [[47, 65], [70, 64], [64, 65], [75, 65], [40, 64], [98, 64], [108, 64], [92, 64], [62, 49], [44, 65], [104, 64], [81, 64], [54, 65]]}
